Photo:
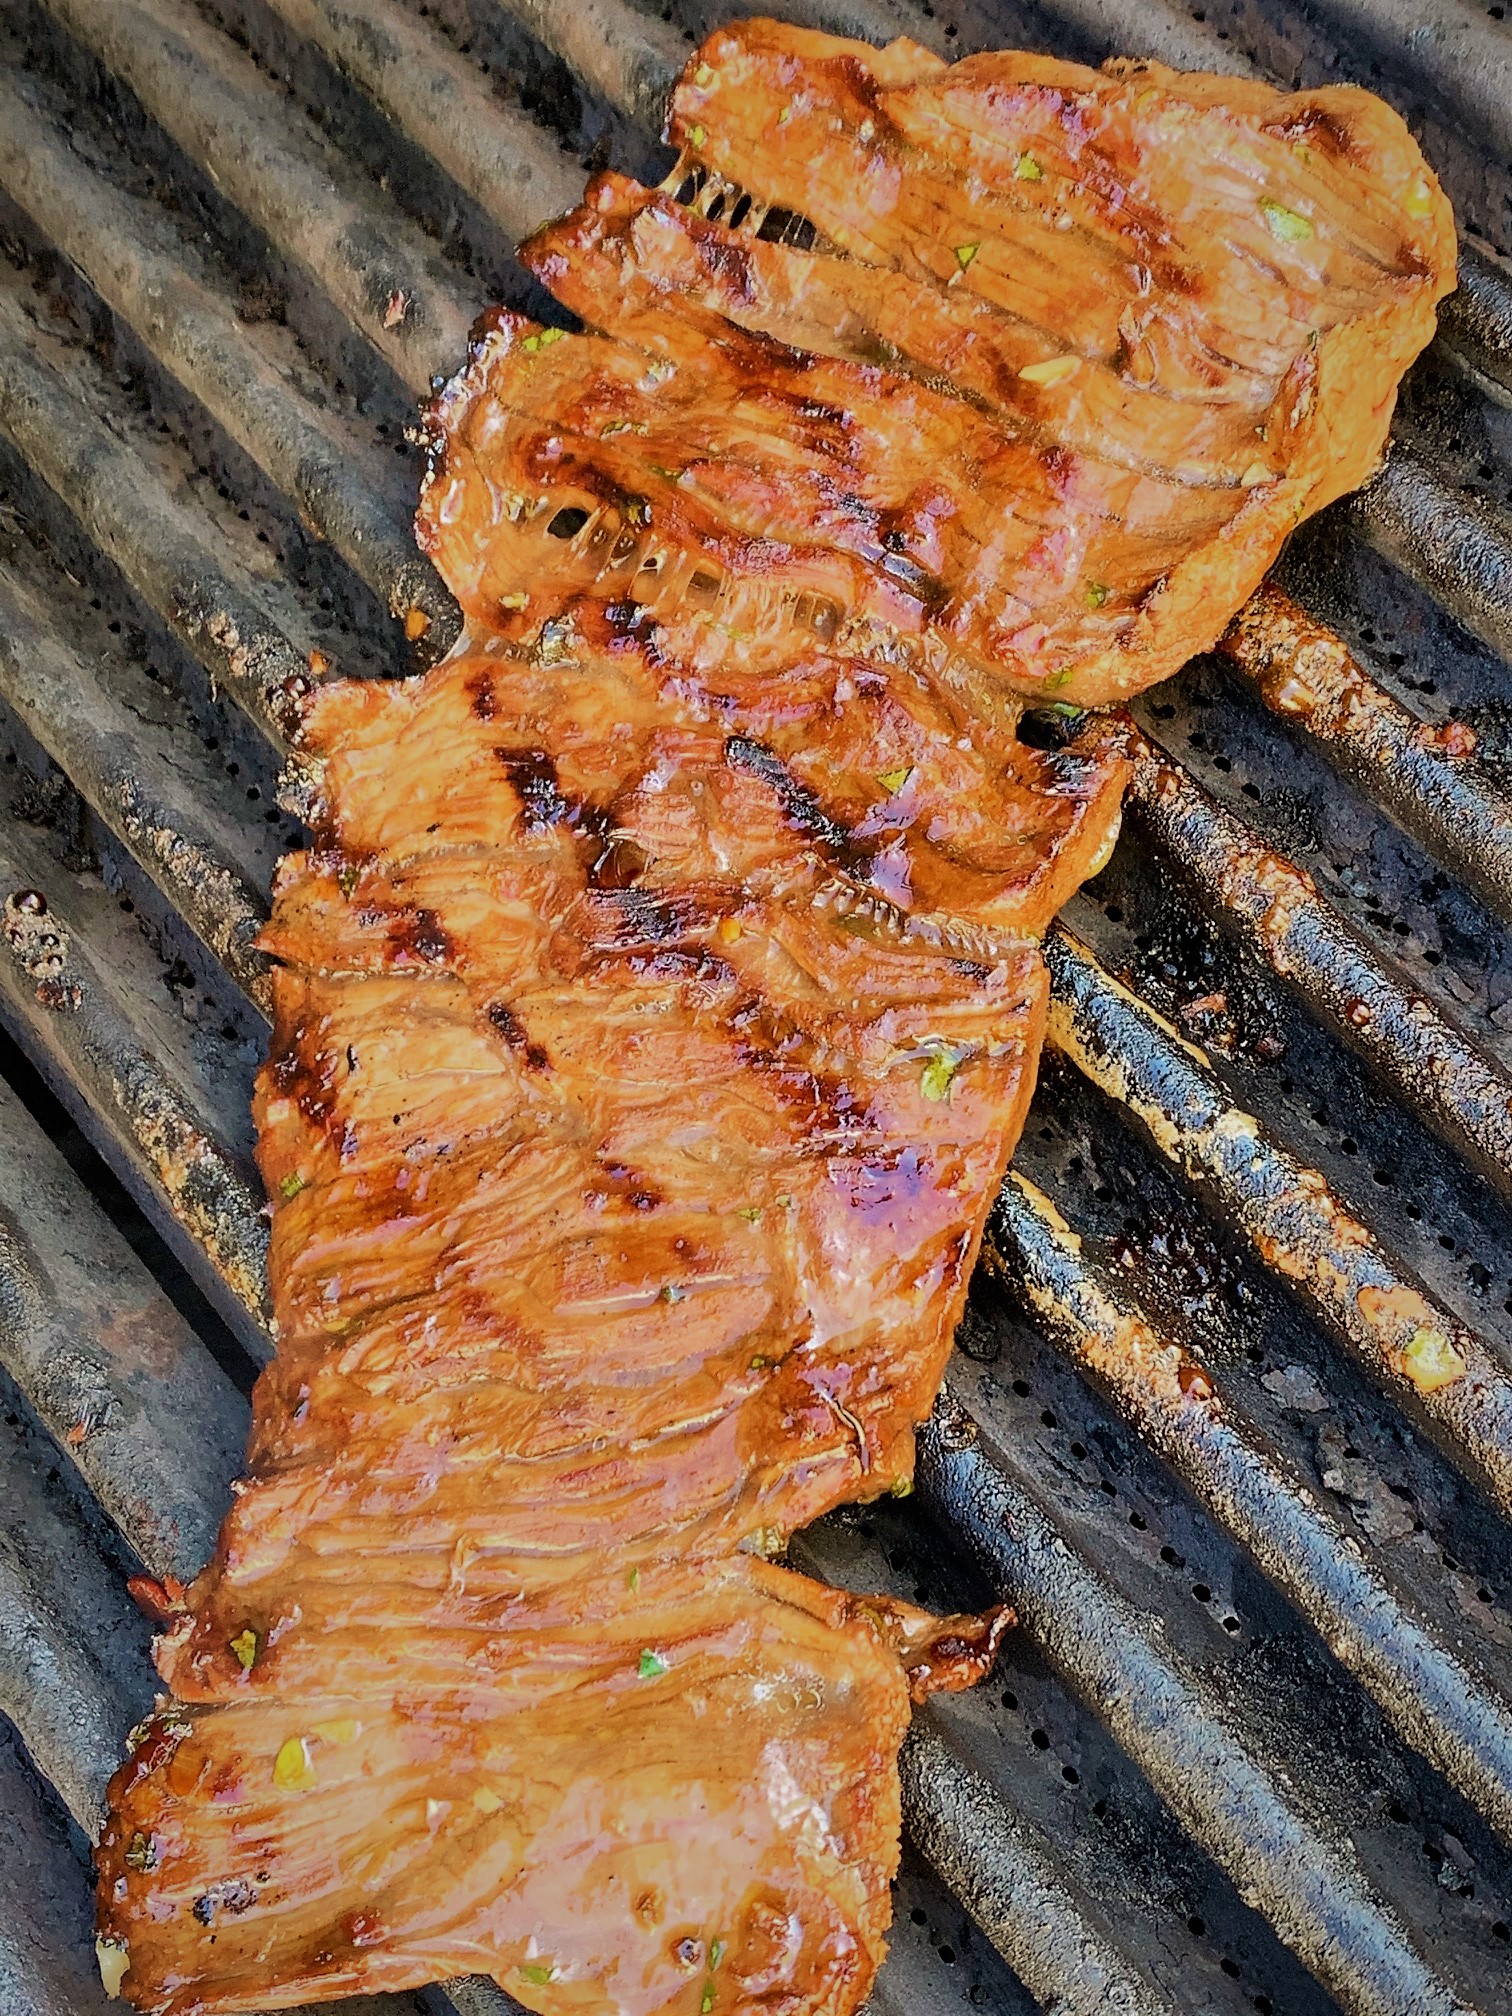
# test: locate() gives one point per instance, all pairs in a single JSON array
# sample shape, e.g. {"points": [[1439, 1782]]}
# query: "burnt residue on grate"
{"points": [[1229, 1423]]}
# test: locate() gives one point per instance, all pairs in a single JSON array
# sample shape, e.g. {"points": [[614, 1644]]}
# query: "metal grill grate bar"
{"points": [[514, 168], [116, 1086], [1177, 1402], [126, 508], [152, 795], [1276, 908], [1424, 775], [1215, 1761], [1211, 1776], [108, 1365], [380, 270], [996, 1866], [1457, 547], [128, 254], [1359, 1292]]}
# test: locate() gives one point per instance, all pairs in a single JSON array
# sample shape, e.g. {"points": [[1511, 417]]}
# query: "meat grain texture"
{"points": [[659, 1000]]}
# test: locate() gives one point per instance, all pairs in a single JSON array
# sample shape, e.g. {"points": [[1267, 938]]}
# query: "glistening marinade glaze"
{"points": [[658, 1003]]}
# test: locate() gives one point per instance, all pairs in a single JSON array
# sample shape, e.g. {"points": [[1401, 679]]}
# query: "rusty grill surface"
{"points": [[1252, 1748]]}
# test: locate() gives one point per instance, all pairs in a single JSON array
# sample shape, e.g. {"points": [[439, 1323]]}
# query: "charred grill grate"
{"points": [[1252, 1750]]}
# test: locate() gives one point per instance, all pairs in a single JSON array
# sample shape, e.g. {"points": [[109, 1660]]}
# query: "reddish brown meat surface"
{"points": [[657, 1006]]}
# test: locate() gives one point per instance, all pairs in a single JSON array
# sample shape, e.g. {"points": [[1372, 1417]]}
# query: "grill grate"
{"points": [[1252, 1749]]}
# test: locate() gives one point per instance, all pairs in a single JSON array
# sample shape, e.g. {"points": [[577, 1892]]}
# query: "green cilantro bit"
{"points": [[1060, 678], [893, 780], [751, 1213], [291, 1186], [1283, 223], [652, 1665], [1027, 169], [708, 1999], [1095, 594], [938, 1074], [632, 1581], [537, 1972], [244, 1645], [965, 254]]}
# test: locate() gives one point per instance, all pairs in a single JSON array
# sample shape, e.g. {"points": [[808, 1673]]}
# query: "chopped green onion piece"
{"points": [[965, 254], [703, 75], [894, 780], [537, 1973], [751, 1213], [696, 135], [141, 1853], [244, 1645], [632, 1581], [1027, 169], [938, 1074], [549, 336], [760, 1364], [1283, 223], [1095, 594], [290, 1186], [1068, 709], [708, 1999], [716, 1953], [652, 1665], [1058, 678], [902, 1487], [292, 1769]]}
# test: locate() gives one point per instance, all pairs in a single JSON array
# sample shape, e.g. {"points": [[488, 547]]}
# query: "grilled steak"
{"points": [[658, 1003]]}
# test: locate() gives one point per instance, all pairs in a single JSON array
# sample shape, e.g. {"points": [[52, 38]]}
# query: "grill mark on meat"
{"points": [[481, 689], [420, 931], [1315, 126], [610, 859], [800, 805], [512, 1029], [533, 773]]}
